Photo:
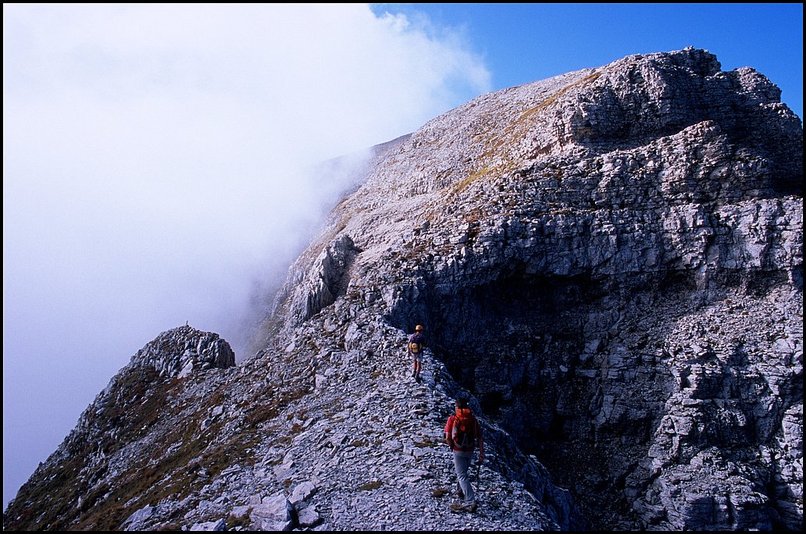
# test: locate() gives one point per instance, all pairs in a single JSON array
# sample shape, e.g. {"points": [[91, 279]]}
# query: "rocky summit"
{"points": [[609, 263]]}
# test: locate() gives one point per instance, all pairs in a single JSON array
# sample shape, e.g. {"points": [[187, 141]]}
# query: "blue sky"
{"points": [[526, 42], [156, 157]]}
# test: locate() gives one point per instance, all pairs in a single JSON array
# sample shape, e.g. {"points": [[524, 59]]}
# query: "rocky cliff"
{"points": [[608, 261]]}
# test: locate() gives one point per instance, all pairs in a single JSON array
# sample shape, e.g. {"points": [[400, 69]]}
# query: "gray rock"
{"points": [[138, 518], [302, 493], [274, 513], [308, 517], [214, 526]]}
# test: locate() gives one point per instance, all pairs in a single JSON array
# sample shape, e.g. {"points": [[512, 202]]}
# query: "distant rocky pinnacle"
{"points": [[609, 262], [177, 352]]}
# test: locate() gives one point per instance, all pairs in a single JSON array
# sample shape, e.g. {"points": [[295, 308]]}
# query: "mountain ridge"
{"points": [[616, 252]]}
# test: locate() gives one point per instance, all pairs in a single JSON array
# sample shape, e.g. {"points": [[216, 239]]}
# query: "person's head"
{"points": [[461, 402], [418, 328]]}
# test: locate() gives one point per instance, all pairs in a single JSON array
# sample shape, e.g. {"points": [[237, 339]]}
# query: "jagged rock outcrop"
{"points": [[608, 261], [332, 268], [177, 352]]}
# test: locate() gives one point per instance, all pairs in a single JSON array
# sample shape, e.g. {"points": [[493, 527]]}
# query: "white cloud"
{"points": [[152, 160]]}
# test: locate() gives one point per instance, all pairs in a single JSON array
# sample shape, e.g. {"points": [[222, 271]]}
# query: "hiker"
{"points": [[463, 433], [415, 348]]}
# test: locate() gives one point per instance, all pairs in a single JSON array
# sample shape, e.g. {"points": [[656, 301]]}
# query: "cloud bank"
{"points": [[153, 173]]}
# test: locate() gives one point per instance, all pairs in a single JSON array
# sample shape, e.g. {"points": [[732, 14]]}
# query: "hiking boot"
{"points": [[460, 493], [457, 506], [460, 506]]}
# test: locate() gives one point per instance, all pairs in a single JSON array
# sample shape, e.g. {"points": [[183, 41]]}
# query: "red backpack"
{"points": [[463, 433]]}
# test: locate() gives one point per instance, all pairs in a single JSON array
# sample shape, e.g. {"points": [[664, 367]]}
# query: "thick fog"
{"points": [[155, 164]]}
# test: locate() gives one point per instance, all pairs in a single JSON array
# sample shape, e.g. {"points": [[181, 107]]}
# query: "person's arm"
{"points": [[449, 432]]}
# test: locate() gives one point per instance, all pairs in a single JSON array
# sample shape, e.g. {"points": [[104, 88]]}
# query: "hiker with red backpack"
{"points": [[463, 434], [415, 349]]}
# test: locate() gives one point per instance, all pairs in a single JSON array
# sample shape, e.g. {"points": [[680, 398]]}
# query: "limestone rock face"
{"points": [[616, 252], [608, 262]]}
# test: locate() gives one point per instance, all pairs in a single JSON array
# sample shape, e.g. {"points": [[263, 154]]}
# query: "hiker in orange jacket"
{"points": [[463, 434]]}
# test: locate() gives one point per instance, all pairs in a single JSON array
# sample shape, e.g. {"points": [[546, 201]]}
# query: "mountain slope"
{"points": [[609, 261]]}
